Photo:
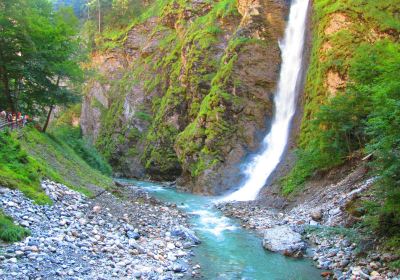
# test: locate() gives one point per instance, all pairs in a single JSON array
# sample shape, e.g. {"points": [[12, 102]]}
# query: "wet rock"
{"points": [[185, 234], [177, 267], [284, 240], [132, 234]]}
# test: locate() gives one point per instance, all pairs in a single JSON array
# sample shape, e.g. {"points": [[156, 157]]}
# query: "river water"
{"points": [[228, 251]]}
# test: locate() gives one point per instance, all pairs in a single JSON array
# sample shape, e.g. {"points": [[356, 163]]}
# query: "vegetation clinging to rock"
{"points": [[351, 101]]}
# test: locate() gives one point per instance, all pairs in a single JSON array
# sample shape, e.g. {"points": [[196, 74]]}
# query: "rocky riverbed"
{"points": [[319, 228], [100, 238]]}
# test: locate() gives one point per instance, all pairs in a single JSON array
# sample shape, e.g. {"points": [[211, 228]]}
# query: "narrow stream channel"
{"points": [[228, 251]]}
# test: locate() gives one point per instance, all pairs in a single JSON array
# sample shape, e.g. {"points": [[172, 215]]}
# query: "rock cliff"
{"points": [[187, 93]]}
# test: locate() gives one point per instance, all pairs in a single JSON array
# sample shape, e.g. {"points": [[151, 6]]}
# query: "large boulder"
{"points": [[185, 234], [284, 240]]}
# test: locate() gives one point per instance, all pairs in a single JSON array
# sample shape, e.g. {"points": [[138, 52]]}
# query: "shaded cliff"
{"points": [[335, 107], [186, 92]]}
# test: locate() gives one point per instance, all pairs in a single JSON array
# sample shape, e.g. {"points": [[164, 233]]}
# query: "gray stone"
{"points": [[284, 240], [316, 215], [185, 233]]}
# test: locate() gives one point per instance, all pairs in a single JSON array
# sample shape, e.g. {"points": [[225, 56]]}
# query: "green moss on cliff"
{"points": [[187, 83], [332, 116], [352, 102], [200, 144], [108, 138], [188, 76]]}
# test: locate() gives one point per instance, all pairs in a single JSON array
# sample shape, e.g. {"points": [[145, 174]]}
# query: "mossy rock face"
{"points": [[186, 83], [340, 30]]}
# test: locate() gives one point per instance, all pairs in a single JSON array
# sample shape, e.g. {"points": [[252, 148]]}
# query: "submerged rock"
{"points": [[185, 233], [284, 240]]}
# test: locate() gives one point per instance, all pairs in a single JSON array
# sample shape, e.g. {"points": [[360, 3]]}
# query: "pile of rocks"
{"points": [[284, 232], [79, 238]]}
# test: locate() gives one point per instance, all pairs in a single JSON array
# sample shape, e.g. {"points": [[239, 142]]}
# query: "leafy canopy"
{"points": [[39, 53]]}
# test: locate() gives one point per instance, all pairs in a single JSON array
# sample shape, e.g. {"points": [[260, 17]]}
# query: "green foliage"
{"points": [[9, 232], [334, 127], [29, 156], [383, 125], [72, 136], [18, 170], [365, 116], [144, 116], [63, 164], [36, 54]]}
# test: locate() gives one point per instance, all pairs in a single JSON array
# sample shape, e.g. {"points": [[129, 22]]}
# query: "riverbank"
{"points": [[105, 237], [227, 251], [320, 226]]}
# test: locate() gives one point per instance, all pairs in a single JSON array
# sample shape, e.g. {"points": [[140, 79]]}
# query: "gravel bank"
{"points": [[100, 238], [321, 220]]}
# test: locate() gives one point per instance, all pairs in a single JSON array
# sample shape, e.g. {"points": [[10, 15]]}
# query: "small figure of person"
{"points": [[3, 118], [25, 120], [19, 119], [9, 119], [14, 120]]}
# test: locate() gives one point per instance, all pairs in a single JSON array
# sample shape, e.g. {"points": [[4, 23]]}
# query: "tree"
{"points": [[38, 47]]}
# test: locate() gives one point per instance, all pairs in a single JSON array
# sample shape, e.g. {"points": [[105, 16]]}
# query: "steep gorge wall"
{"points": [[187, 93], [329, 133]]}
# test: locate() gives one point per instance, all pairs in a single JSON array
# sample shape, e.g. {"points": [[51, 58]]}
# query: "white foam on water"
{"points": [[213, 223]]}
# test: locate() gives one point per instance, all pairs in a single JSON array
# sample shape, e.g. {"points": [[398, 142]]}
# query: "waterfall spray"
{"points": [[262, 165]]}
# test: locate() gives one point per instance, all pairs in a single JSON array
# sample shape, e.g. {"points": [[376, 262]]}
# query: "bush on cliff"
{"points": [[366, 117]]}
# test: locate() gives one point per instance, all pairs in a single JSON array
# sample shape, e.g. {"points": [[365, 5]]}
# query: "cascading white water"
{"points": [[262, 165]]}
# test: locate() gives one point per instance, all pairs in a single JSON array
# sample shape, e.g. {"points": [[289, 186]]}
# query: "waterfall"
{"points": [[261, 166]]}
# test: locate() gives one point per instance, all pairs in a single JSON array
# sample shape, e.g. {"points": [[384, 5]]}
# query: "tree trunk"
{"points": [[6, 84], [50, 110], [47, 119]]}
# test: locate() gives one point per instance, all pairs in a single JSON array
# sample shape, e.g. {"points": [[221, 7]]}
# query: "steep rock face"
{"points": [[187, 92], [323, 139]]}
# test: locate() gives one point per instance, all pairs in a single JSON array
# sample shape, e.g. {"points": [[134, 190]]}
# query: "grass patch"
{"points": [[350, 234], [72, 136], [9, 232], [28, 156], [19, 170], [66, 166]]}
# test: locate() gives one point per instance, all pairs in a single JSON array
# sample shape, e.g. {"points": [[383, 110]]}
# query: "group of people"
{"points": [[13, 120]]}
